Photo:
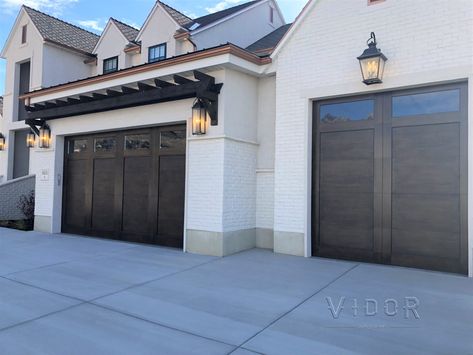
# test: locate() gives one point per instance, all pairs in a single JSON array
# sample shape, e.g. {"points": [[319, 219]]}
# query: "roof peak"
{"points": [[124, 24], [58, 19]]}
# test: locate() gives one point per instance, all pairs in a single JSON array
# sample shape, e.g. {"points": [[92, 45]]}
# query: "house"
{"points": [[185, 136]]}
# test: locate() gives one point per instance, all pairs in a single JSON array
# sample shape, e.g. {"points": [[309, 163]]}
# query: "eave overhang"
{"points": [[175, 65], [138, 94]]}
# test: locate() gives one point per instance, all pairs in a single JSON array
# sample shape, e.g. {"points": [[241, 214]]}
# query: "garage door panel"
{"points": [[355, 209], [136, 182], [335, 235], [76, 192], [426, 243], [131, 186], [347, 161], [103, 213], [171, 200], [396, 191], [426, 159], [426, 212]]}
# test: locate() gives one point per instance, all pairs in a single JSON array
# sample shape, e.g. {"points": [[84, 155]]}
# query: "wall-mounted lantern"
{"points": [[2, 142], [44, 136], [199, 118], [30, 139], [372, 63]]}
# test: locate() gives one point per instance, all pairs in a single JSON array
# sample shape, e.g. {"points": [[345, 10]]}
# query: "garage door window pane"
{"points": [[173, 140], [105, 144], [426, 104], [138, 142], [347, 111], [77, 146]]}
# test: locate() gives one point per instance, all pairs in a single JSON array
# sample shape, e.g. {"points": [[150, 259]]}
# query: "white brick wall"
{"points": [[205, 185], [426, 41], [239, 204], [265, 199], [43, 160]]}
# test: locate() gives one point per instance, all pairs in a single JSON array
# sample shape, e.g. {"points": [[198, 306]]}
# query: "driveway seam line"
{"points": [[44, 289], [41, 317], [153, 280], [35, 268], [294, 308], [112, 309]]}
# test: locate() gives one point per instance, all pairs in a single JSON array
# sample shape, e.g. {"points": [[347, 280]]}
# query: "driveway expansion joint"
{"points": [[346, 272]]}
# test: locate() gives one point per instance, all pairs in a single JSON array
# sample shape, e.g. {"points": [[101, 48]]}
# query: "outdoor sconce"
{"points": [[44, 136], [2, 142], [372, 63], [30, 139], [199, 118]]}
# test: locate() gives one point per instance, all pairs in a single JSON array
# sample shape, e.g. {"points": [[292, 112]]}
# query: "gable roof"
{"points": [[128, 31], [217, 16], [265, 46], [299, 19], [62, 33], [181, 19]]}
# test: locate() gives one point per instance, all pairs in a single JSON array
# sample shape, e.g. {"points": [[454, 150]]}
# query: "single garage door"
{"points": [[127, 185], [390, 178]]}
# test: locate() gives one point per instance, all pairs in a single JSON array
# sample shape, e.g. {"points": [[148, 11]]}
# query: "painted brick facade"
{"points": [[265, 200], [239, 212], [426, 41], [205, 185]]}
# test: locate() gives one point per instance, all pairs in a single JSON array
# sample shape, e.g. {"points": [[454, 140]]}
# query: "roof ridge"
{"points": [[191, 19], [58, 19], [243, 5], [125, 24]]}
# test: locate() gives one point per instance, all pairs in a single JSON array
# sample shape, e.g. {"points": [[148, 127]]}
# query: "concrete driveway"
{"points": [[73, 295]]}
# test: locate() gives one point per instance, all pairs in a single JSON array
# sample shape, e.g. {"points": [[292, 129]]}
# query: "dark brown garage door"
{"points": [[390, 178], [127, 185]]}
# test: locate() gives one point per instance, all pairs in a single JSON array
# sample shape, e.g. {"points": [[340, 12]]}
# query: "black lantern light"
{"points": [[2, 142], [372, 63], [44, 136], [30, 139], [199, 118]]}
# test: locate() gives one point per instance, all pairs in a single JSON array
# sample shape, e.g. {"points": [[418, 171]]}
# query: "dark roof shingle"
{"points": [[216, 16], [178, 16], [264, 46], [128, 31], [61, 32]]}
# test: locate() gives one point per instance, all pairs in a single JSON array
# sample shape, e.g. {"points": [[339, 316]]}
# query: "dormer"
{"points": [[116, 48], [157, 36]]}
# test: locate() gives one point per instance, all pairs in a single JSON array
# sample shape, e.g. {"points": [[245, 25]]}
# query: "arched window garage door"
{"points": [[127, 185], [390, 178]]}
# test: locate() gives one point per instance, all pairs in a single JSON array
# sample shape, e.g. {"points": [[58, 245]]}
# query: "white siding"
{"points": [[17, 53], [111, 45], [159, 29], [61, 66], [241, 30]]}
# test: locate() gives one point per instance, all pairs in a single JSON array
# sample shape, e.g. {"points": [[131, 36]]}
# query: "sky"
{"points": [[93, 14]]}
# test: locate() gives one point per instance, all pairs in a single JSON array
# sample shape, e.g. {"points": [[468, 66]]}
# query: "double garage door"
{"points": [[127, 185], [390, 178]]}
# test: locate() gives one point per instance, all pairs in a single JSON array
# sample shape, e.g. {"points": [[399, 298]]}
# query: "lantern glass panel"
{"points": [[44, 137], [199, 119], [30, 140], [2, 143], [370, 68]]}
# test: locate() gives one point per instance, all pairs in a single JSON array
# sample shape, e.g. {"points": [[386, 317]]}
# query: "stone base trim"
{"points": [[264, 238], [218, 243], [43, 224], [289, 243]]}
